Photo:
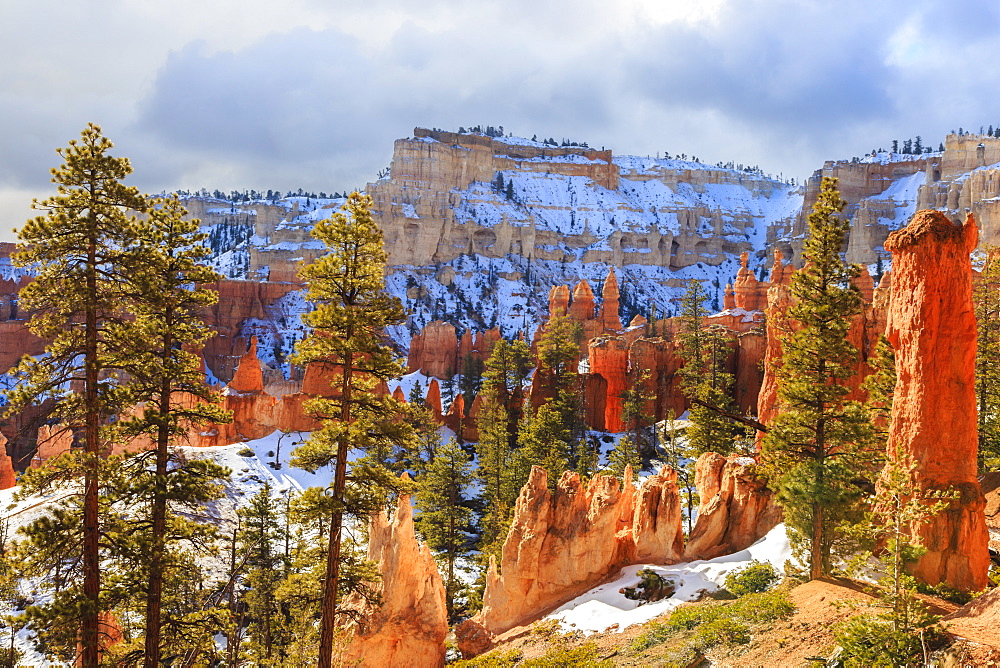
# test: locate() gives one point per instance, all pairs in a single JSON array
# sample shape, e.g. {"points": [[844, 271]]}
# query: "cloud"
{"points": [[251, 94]]}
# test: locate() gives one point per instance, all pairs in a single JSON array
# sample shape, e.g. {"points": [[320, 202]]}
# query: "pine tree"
{"points": [[165, 301], [636, 400], [890, 522], [445, 518], [819, 443], [704, 379], [678, 455], [347, 286], [500, 415], [261, 531], [544, 440], [80, 253], [986, 304], [558, 352]]}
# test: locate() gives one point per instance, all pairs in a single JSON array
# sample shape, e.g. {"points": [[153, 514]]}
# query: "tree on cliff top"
{"points": [[819, 441], [347, 286]]}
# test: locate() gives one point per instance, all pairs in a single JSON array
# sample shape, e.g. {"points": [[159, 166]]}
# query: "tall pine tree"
{"points": [[167, 380], [819, 443], [704, 379], [500, 415], [445, 517], [80, 253], [347, 286]]}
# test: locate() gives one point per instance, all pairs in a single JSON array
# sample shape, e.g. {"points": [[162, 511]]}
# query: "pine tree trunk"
{"points": [[328, 619], [151, 656], [90, 657], [816, 551]]}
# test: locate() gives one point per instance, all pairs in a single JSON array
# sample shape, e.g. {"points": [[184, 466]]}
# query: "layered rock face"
{"points": [[881, 194], [409, 627], [563, 543], [440, 201], [736, 507], [933, 331], [964, 178]]}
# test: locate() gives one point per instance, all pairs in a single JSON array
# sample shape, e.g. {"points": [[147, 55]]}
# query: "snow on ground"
{"points": [[249, 475], [603, 607]]}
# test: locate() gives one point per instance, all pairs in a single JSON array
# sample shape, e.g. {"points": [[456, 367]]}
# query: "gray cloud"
{"points": [[313, 95]]}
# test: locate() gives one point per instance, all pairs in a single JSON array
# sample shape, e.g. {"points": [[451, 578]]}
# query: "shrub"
{"points": [[767, 606], [582, 656], [506, 659], [756, 577], [708, 625], [722, 631], [867, 640], [246, 451]]}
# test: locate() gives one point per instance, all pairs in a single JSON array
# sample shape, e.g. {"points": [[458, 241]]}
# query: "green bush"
{"points": [[868, 640], [246, 451], [722, 631], [582, 656], [756, 577], [767, 606], [708, 625], [496, 659]]}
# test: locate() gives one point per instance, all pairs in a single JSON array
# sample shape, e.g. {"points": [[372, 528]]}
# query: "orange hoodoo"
{"points": [[932, 328]]}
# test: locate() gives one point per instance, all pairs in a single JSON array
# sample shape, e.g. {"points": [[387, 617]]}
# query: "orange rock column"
{"points": [[609, 359], [933, 331]]}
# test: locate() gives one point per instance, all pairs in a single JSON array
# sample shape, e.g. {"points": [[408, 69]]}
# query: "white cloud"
{"points": [[307, 93]]}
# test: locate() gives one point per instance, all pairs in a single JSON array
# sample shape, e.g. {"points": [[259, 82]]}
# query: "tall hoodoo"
{"points": [[408, 628], [933, 331], [611, 303]]}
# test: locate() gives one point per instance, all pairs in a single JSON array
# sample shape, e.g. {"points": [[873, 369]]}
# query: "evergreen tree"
{"points": [[986, 304], [636, 400], [678, 455], [80, 254], [544, 440], [500, 415], [470, 380], [556, 375], [165, 301], [261, 532], [880, 385], [623, 455], [818, 444], [445, 518], [892, 516], [347, 286], [704, 380]]}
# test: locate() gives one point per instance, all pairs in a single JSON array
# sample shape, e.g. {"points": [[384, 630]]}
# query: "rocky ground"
{"points": [[798, 640]]}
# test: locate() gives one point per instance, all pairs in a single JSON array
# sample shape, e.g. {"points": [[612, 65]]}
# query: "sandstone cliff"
{"points": [[562, 543]]}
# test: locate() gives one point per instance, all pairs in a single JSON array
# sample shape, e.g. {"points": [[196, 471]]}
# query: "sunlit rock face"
{"points": [[408, 628], [932, 328], [564, 542], [736, 507]]}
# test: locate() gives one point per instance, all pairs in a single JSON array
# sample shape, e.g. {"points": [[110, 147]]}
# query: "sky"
{"points": [[241, 94]]}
